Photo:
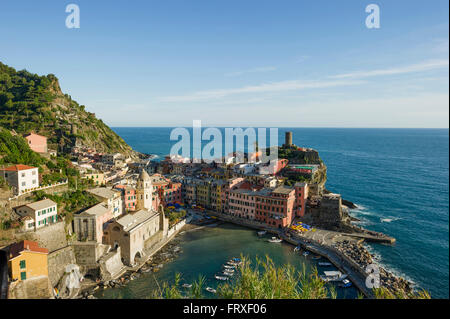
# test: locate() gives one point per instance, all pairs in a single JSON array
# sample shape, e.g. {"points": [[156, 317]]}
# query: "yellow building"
{"points": [[96, 177], [27, 260]]}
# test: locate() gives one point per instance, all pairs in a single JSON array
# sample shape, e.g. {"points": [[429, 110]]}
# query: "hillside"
{"points": [[30, 102]]}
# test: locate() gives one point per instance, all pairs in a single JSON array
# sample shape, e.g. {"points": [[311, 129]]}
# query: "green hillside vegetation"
{"points": [[30, 102], [15, 150]]}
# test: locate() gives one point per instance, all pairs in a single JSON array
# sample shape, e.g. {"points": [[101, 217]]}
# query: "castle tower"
{"points": [[288, 139], [144, 190]]}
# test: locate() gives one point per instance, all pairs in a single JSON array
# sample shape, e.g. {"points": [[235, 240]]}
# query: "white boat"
{"points": [[297, 248], [187, 285], [209, 289], [262, 233], [231, 271], [228, 267], [305, 253], [333, 275], [275, 240], [324, 263], [228, 274], [221, 277]]}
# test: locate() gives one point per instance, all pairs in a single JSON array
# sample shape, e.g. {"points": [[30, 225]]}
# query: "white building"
{"points": [[38, 214], [22, 178], [111, 197]]}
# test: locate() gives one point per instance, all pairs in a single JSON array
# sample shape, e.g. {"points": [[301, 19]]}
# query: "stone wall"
{"points": [[111, 265], [88, 253], [33, 288], [52, 237], [57, 262]]}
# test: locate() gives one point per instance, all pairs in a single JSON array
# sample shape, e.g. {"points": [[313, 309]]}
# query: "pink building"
{"points": [[301, 195], [129, 196], [37, 143], [275, 207], [89, 225], [241, 203]]}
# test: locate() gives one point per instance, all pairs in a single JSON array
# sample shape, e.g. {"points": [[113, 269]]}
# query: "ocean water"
{"points": [[399, 178]]}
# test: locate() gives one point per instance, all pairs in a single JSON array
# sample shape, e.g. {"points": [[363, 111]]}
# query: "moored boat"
{"points": [[345, 283], [324, 263], [275, 240], [221, 277], [211, 290], [262, 233], [187, 285]]}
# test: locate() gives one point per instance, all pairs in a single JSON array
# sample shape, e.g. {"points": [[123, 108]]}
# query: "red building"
{"points": [[129, 196], [167, 191], [276, 207]]}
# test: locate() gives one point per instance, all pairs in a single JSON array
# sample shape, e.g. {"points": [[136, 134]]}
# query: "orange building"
{"points": [[27, 260]]}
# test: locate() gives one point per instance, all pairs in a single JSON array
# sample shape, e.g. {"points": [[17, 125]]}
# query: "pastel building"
{"points": [[89, 224], [22, 178], [27, 260], [276, 207], [301, 195], [241, 203], [129, 196], [111, 197], [37, 143], [38, 214]]}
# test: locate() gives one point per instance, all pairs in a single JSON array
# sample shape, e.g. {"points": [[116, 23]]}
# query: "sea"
{"points": [[398, 178]]}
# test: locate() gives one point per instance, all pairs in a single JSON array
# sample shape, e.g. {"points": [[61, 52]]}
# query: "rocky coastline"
{"points": [[360, 255]]}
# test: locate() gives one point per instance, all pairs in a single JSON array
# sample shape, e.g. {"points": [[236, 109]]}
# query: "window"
{"points": [[23, 275], [22, 264]]}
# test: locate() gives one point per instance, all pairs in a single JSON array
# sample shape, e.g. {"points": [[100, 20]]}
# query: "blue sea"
{"points": [[399, 178]]}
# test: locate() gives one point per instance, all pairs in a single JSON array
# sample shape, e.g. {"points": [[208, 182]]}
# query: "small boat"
{"points": [[297, 248], [228, 274], [221, 277], [305, 253], [275, 240], [262, 233], [333, 275], [187, 285], [211, 290], [345, 283], [228, 267], [230, 270], [325, 263]]}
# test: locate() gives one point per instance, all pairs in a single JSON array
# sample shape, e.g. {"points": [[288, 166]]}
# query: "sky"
{"points": [[240, 63]]}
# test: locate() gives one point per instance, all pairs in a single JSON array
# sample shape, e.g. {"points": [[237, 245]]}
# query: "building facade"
{"points": [[38, 214], [37, 143], [22, 178], [89, 224], [27, 260]]}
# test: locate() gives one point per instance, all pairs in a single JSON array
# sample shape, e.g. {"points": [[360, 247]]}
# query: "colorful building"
{"points": [[38, 214], [27, 260], [129, 196], [89, 224], [276, 207], [37, 143]]}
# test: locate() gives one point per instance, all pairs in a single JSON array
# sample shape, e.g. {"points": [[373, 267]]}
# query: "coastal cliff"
{"points": [[34, 103]]}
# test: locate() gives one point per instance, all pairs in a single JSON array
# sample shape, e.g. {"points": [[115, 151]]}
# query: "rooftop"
{"points": [[25, 245], [97, 210], [45, 203], [103, 192], [132, 220], [18, 167]]}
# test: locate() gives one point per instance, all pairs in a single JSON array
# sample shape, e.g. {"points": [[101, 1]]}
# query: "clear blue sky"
{"points": [[240, 63]]}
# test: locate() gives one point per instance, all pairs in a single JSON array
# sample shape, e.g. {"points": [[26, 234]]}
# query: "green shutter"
{"points": [[22, 264], [23, 275]]}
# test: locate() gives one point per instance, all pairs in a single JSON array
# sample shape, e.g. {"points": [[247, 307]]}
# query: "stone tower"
{"points": [[144, 190]]}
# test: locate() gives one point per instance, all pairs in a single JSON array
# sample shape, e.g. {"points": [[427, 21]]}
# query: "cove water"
{"points": [[399, 178]]}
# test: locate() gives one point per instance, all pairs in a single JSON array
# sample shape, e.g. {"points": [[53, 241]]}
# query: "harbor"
{"points": [[207, 250]]}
